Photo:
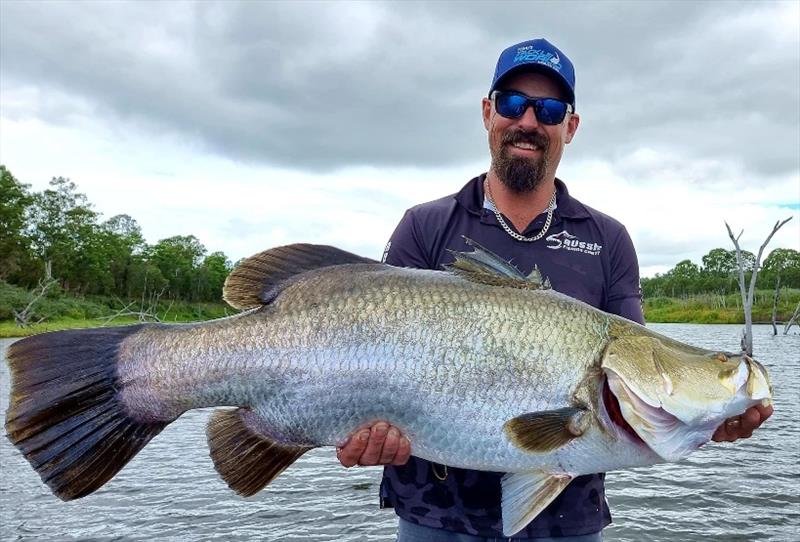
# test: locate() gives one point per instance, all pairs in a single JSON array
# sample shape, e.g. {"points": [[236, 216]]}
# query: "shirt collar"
{"points": [[471, 197]]}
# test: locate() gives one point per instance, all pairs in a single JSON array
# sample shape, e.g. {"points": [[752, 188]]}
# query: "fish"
{"points": [[479, 365]]}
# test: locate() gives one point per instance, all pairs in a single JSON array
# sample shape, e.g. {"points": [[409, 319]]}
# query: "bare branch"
{"points": [[22, 318], [775, 300], [124, 311], [747, 297], [148, 308], [793, 319], [747, 345]]}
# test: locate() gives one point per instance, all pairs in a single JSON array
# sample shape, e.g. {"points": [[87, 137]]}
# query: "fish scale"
{"points": [[419, 354]]}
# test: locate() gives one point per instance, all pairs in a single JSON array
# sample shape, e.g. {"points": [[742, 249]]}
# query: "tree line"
{"points": [[718, 271], [56, 234]]}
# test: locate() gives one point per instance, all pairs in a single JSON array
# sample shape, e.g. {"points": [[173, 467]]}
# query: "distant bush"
{"points": [[12, 297], [58, 304]]}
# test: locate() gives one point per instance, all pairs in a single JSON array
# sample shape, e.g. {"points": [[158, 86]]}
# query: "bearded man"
{"points": [[521, 211]]}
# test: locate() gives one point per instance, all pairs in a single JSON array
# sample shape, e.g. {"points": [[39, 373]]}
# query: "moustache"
{"points": [[533, 138]]}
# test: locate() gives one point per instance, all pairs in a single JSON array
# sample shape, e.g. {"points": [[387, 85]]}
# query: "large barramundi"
{"points": [[481, 366]]}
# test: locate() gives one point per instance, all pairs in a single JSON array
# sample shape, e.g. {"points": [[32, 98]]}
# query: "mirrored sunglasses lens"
{"points": [[549, 111], [510, 105]]}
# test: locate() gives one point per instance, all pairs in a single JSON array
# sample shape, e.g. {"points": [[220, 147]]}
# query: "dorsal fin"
{"points": [[484, 266], [254, 282]]}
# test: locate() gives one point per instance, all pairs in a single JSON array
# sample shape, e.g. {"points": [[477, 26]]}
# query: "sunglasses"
{"points": [[512, 105]]}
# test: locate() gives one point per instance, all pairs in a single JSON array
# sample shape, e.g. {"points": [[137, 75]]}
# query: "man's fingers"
{"points": [[390, 446], [350, 454], [750, 420], [742, 426], [765, 411], [403, 452], [374, 448], [382, 444], [725, 432]]}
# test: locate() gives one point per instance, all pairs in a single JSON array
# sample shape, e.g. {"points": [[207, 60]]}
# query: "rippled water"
{"points": [[746, 491]]}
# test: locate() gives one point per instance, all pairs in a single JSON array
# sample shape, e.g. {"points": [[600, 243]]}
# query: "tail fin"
{"points": [[64, 413]]}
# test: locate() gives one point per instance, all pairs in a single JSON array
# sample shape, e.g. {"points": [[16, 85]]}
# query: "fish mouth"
{"points": [[614, 412], [662, 432]]}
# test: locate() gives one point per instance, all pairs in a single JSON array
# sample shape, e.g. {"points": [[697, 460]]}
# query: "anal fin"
{"points": [[526, 494], [246, 459]]}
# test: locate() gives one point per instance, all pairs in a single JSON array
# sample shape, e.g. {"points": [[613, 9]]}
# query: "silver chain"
{"points": [[550, 207]]}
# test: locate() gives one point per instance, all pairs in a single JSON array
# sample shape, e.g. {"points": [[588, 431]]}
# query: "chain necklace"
{"points": [[550, 207]]}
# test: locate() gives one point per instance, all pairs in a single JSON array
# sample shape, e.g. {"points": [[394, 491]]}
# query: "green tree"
{"points": [[178, 258], [213, 272], [681, 279], [144, 279], [783, 262], [62, 225], [123, 243], [14, 243], [720, 262]]}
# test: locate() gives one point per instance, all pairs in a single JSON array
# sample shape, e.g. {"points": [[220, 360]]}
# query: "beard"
{"points": [[521, 175]]}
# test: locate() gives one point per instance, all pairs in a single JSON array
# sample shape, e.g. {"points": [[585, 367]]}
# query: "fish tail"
{"points": [[65, 414]]}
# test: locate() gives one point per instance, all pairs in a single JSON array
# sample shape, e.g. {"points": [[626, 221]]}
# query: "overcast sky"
{"points": [[255, 124]]}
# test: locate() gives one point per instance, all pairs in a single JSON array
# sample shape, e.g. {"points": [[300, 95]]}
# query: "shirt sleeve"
{"points": [[624, 291], [406, 248]]}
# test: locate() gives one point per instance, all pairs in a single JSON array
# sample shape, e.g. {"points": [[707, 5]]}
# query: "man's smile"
{"points": [[526, 146]]}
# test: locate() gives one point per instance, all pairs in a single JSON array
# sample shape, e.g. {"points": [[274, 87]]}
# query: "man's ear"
{"points": [[572, 126], [486, 105]]}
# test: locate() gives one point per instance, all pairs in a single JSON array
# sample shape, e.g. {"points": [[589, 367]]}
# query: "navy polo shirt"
{"points": [[585, 254]]}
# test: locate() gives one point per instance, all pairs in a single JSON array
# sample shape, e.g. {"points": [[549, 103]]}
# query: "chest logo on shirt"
{"points": [[566, 241]]}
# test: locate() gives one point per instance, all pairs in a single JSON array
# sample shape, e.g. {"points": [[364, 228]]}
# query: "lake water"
{"points": [[745, 491]]}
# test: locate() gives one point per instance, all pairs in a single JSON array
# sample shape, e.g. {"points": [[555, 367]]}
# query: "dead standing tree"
{"points": [[792, 320], [749, 293]]}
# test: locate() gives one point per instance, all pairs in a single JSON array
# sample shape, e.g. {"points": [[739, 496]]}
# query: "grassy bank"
{"points": [[717, 309], [65, 311], [59, 310]]}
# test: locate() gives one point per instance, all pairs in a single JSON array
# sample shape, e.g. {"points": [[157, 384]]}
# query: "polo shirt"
{"points": [[585, 254]]}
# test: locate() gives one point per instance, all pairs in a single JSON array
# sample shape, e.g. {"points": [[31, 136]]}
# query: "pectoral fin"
{"points": [[526, 494], [543, 432], [246, 459]]}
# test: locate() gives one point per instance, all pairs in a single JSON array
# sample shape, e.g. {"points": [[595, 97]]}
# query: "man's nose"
{"points": [[528, 118]]}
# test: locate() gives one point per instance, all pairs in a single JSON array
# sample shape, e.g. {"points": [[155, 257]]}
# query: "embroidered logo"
{"points": [[565, 240], [529, 54]]}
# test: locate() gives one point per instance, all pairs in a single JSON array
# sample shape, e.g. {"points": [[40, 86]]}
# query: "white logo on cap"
{"points": [[555, 60]]}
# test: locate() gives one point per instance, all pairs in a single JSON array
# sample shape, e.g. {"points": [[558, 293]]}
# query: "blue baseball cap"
{"points": [[537, 55]]}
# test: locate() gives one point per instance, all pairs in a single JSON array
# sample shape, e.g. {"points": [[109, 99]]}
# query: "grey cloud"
{"points": [[327, 85]]}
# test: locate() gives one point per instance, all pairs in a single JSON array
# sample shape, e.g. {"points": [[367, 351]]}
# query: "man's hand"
{"points": [[381, 444], [742, 426]]}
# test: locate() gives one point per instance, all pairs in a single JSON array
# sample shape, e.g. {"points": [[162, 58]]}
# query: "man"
{"points": [[522, 212]]}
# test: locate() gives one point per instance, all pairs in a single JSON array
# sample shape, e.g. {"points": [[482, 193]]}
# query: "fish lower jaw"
{"points": [[662, 432], [612, 412]]}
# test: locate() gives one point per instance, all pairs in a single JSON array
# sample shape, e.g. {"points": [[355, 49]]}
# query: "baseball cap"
{"points": [[537, 55]]}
